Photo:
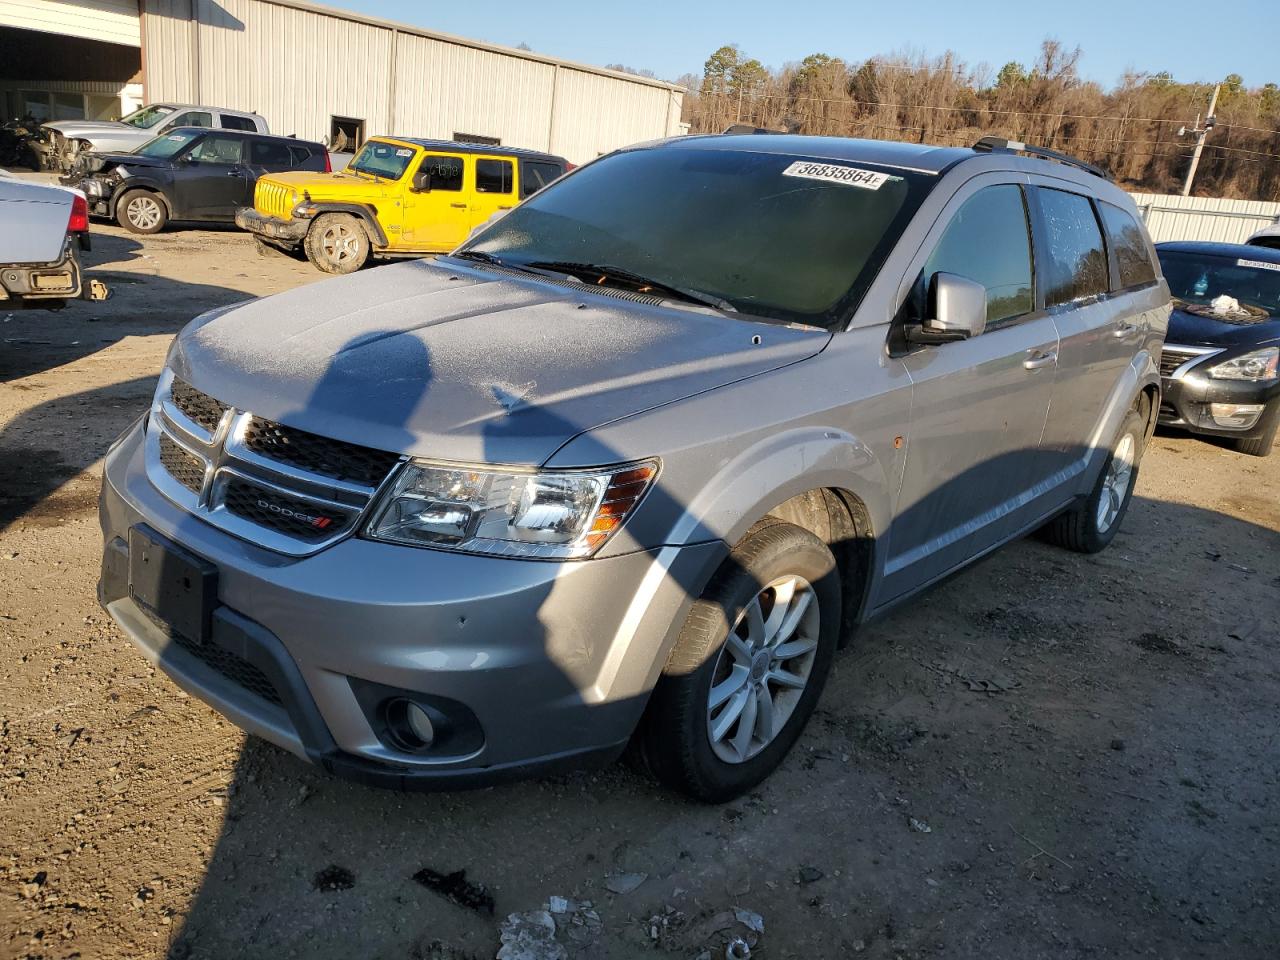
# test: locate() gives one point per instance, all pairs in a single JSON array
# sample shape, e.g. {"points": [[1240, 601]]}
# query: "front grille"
{"points": [[184, 467], [1171, 360], [289, 515], [198, 407], [273, 199], [335, 459]]}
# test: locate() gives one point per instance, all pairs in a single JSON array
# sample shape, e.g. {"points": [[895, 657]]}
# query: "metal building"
{"points": [[318, 72]]}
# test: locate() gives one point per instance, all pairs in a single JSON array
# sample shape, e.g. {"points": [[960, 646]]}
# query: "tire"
{"points": [[1260, 446], [337, 243], [676, 740], [1091, 526], [141, 211]]}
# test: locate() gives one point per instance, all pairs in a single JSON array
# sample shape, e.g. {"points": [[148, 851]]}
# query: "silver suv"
{"points": [[629, 465]]}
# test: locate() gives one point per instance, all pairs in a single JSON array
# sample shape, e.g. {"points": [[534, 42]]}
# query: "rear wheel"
{"points": [[748, 667], [1089, 527], [337, 243], [141, 211]]}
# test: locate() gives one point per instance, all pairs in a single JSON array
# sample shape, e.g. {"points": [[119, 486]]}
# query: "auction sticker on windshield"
{"points": [[1258, 264], [833, 173]]}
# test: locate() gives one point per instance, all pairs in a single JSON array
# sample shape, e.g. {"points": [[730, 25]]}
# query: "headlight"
{"points": [[1258, 365], [550, 514]]}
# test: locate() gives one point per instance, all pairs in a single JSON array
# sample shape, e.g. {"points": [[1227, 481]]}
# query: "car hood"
{"points": [[87, 128], [324, 186], [455, 363], [1196, 330], [101, 162]]}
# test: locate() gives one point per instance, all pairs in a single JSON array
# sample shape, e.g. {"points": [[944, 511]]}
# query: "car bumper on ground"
{"points": [[524, 666], [1197, 403], [48, 284], [271, 228]]}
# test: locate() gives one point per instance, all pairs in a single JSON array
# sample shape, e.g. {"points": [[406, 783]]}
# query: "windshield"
{"points": [[382, 160], [766, 234], [147, 117], [168, 145], [1199, 280]]}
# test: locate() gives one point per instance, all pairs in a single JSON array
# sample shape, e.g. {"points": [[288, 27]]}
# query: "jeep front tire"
{"points": [[337, 243]]}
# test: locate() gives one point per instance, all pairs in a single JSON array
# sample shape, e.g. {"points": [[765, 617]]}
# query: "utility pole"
{"points": [[1201, 133]]}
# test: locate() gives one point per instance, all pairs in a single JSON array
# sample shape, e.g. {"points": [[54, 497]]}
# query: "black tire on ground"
{"points": [[1090, 526], [674, 741], [141, 211], [337, 243], [1261, 446]]}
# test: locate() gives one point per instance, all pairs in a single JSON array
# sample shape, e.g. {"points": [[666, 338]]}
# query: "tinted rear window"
{"points": [[1074, 266], [238, 123], [267, 153], [1130, 246], [749, 228], [535, 174]]}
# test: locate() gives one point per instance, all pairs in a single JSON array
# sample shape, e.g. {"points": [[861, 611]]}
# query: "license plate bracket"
{"points": [[178, 587]]}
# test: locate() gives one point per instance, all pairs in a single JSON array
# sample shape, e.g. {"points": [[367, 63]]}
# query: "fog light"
{"points": [[410, 725], [420, 724], [1240, 415]]}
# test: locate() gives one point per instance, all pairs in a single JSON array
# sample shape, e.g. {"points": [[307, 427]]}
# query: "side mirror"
{"points": [[959, 311], [422, 181]]}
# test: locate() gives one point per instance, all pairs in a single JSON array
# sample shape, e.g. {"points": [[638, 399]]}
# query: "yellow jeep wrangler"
{"points": [[398, 197]]}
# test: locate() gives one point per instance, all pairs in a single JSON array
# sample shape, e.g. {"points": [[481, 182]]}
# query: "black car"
{"points": [[189, 173], [1221, 356]]}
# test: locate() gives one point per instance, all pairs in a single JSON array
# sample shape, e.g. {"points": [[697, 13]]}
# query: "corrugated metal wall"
{"points": [[115, 21], [1203, 218], [298, 65]]}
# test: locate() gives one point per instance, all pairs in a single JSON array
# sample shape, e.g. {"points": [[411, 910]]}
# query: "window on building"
{"points": [[987, 241], [446, 172], [1075, 263], [479, 138], [68, 106], [493, 176], [346, 134], [534, 175], [1133, 256]]}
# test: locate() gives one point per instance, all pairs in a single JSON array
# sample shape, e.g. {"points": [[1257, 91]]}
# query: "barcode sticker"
{"points": [[834, 173], [1258, 264]]}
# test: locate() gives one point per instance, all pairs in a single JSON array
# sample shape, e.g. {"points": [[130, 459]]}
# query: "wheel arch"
{"points": [[362, 212], [148, 187]]}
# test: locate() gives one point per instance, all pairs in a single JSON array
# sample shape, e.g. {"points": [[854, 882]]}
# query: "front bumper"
{"points": [[48, 284], [271, 228], [554, 661], [1188, 397]]}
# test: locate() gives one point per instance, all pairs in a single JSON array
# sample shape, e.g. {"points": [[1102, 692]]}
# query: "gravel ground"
{"points": [[1049, 755]]}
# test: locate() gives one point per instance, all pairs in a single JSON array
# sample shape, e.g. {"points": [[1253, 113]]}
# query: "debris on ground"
{"points": [[457, 889], [530, 936], [919, 826], [721, 935], [334, 877], [809, 875], [624, 883]]}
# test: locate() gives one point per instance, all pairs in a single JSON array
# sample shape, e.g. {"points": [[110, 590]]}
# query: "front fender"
{"points": [[364, 212]]}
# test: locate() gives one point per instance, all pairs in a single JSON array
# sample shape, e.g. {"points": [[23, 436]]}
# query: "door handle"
{"points": [[1037, 359], [1125, 331], [458, 206]]}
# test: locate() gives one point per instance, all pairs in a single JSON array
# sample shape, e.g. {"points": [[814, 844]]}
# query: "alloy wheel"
{"points": [[763, 669], [144, 213], [340, 243], [1115, 485]]}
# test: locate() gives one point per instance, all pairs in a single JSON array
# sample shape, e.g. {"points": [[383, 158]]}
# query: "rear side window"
{"points": [[192, 118], [302, 155], [446, 172], [265, 153], [238, 123], [534, 175], [493, 176], [1074, 267], [988, 241], [1130, 246]]}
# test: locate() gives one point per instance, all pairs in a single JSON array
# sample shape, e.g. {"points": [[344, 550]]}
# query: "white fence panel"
{"points": [[1203, 218]]}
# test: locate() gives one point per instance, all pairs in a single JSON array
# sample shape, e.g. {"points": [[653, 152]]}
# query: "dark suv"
{"points": [[189, 174]]}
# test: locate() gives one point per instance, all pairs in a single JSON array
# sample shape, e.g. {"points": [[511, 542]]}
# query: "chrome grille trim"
{"points": [[225, 457], [1190, 357]]}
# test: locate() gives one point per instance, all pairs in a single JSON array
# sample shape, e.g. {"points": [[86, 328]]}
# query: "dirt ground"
{"points": [[1048, 756]]}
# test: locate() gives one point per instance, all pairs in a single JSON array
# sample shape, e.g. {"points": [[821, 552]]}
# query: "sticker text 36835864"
{"points": [[834, 173]]}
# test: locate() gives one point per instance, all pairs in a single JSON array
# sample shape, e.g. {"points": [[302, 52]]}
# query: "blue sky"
{"points": [[1186, 37]]}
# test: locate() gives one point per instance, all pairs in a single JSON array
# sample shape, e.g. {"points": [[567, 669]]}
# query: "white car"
{"points": [[66, 140], [1267, 236], [45, 227]]}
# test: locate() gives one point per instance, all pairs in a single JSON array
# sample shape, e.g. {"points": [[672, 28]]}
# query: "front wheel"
{"points": [[1091, 526], [141, 211], [1261, 446], [337, 243], [748, 668]]}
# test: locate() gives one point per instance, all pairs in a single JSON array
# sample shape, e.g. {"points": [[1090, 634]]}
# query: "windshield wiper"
{"points": [[600, 272]]}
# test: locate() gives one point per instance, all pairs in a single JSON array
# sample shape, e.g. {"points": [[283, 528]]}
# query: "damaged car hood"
{"points": [[450, 362], [1203, 328]]}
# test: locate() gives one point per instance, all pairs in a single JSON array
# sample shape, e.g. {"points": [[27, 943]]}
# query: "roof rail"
{"points": [[739, 128], [991, 144]]}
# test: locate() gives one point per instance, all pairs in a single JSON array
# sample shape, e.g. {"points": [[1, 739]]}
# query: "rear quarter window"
{"points": [[536, 174], [1129, 242], [238, 123], [266, 153]]}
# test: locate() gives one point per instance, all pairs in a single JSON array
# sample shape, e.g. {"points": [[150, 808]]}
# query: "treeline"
{"points": [[1131, 130]]}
